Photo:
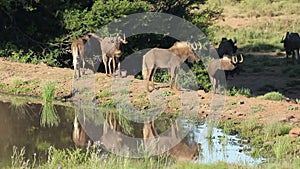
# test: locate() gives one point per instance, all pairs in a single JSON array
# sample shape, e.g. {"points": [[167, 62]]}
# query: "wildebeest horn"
{"points": [[124, 40], [242, 59], [234, 41], [234, 59], [282, 40], [194, 46]]}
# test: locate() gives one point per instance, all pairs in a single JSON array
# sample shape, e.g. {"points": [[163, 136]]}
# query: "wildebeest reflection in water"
{"points": [[115, 139], [178, 148]]}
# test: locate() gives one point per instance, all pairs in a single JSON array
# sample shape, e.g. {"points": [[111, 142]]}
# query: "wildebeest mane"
{"points": [[181, 49]]}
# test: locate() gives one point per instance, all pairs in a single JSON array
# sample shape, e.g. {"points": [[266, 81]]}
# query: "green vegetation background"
{"points": [[42, 30]]}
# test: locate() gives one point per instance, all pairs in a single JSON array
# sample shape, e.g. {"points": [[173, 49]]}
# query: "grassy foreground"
{"points": [[96, 159]]}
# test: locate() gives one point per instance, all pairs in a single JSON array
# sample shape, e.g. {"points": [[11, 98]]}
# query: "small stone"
{"points": [[290, 117], [246, 141], [294, 132]]}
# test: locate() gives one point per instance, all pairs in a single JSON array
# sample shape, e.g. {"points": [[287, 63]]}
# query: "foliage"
{"points": [[49, 115], [282, 146], [18, 159], [201, 76], [42, 31], [236, 92], [273, 96]]}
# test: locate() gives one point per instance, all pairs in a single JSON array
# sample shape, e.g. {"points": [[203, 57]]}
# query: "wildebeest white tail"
{"points": [[144, 68]]}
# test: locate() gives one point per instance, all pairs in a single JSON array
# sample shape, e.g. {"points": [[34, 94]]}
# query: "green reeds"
{"points": [[49, 115]]}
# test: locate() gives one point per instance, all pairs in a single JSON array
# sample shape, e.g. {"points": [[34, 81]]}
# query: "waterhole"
{"points": [[20, 127]]}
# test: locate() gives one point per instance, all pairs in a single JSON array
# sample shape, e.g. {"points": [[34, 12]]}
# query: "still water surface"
{"points": [[20, 127]]}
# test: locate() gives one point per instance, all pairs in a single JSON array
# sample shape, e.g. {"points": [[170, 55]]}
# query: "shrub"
{"points": [[273, 96]]}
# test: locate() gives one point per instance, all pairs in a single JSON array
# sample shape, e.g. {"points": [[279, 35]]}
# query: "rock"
{"points": [[290, 117], [294, 132]]}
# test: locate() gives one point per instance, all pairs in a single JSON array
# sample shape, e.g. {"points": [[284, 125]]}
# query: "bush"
{"points": [[273, 96], [236, 92]]}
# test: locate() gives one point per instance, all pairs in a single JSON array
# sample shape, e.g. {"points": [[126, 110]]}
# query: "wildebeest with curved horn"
{"points": [[170, 58], [220, 64], [291, 44], [228, 47], [110, 47], [85, 49]]}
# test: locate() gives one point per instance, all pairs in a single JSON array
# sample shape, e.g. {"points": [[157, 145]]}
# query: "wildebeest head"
{"points": [[229, 63], [184, 50], [111, 45], [227, 46]]}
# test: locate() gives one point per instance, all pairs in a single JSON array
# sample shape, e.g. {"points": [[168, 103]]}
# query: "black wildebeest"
{"points": [[291, 44], [110, 47], [85, 49], [216, 66], [170, 58], [228, 47]]}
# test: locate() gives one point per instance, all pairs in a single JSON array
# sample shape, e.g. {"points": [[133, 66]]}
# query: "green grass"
{"points": [[238, 92], [272, 96], [274, 129], [95, 158], [257, 108], [105, 93], [258, 36], [282, 146], [49, 115]]}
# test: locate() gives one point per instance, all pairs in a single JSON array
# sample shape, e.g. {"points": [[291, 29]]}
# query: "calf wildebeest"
{"points": [[228, 47], [172, 144], [170, 58], [84, 49], [220, 64], [291, 44], [110, 47]]}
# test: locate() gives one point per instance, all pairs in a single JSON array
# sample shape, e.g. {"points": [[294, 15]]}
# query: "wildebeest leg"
{"points": [[152, 77], [76, 67], [176, 78], [148, 76], [112, 71], [104, 58], [296, 54], [83, 66], [213, 82], [172, 72], [109, 65]]}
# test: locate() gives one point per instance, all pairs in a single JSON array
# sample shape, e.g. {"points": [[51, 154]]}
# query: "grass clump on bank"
{"points": [[49, 115], [238, 92], [273, 96], [269, 140]]}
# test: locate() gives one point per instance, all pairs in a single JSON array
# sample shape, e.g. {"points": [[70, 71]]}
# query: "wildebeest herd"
{"points": [[88, 49]]}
